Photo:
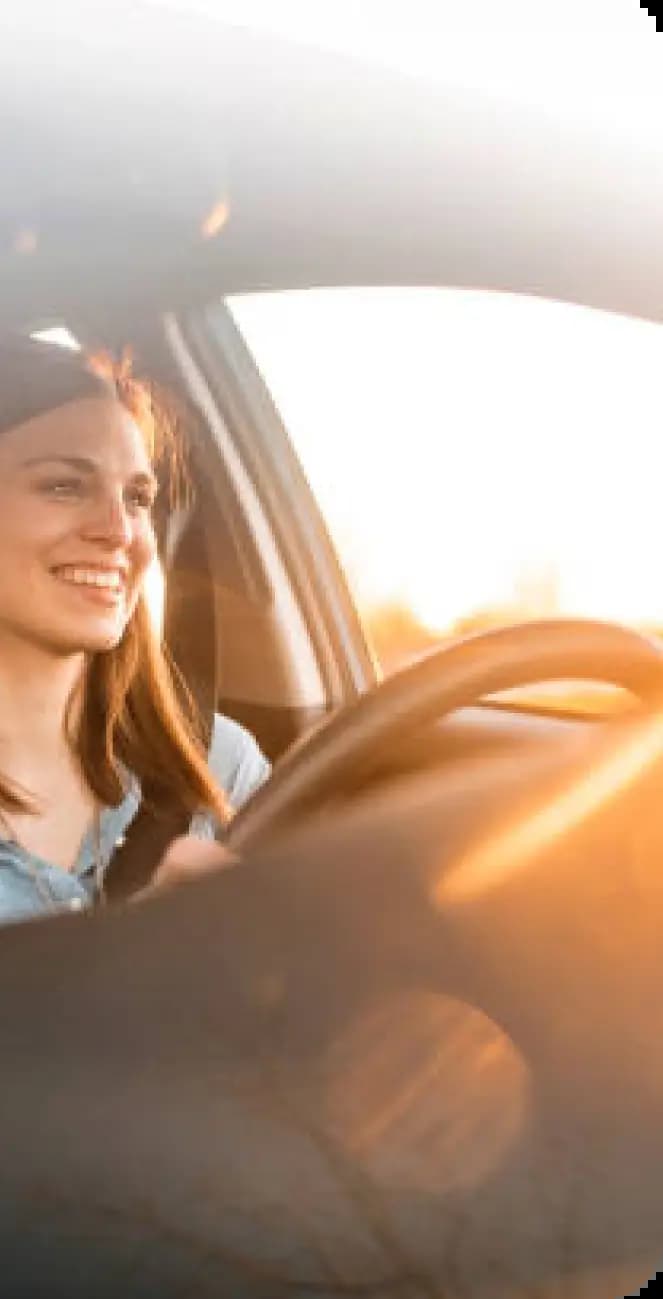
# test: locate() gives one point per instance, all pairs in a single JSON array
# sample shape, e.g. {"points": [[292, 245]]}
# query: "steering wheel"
{"points": [[453, 677], [282, 1035]]}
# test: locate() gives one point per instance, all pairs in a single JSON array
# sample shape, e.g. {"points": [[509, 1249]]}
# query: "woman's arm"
{"points": [[240, 767]]}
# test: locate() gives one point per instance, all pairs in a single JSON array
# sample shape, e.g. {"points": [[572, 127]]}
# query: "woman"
{"points": [[87, 706]]}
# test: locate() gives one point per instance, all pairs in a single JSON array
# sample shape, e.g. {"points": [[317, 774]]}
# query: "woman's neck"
{"points": [[36, 691]]}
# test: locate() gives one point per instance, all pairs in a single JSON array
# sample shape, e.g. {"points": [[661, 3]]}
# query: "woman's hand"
{"points": [[187, 859]]}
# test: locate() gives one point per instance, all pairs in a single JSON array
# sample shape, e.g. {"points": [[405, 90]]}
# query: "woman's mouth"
{"points": [[104, 585]]}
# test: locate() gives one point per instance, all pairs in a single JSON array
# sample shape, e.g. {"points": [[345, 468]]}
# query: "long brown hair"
{"points": [[136, 711]]}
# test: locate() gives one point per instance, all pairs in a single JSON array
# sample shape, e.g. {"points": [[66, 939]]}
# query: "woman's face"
{"points": [[76, 536]]}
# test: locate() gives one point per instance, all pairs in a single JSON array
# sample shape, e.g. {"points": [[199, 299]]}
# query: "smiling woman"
{"points": [[77, 491], [89, 715]]}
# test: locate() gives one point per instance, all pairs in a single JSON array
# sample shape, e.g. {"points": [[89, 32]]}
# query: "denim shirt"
{"points": [[239, 768]]}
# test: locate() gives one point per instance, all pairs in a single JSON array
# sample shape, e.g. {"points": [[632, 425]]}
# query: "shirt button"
{"points": [[76, 904]]}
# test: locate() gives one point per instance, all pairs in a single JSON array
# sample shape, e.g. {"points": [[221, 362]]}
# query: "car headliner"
{"points": [[118, 139]]}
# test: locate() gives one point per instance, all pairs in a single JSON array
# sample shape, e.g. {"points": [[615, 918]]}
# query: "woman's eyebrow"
{"points": [[85, 464]]}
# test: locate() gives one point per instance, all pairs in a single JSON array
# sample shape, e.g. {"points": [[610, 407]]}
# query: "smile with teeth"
{"points": [[109, 579]]}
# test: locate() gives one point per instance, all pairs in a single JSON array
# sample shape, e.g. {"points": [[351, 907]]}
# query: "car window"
{"points": [[480, 458]]}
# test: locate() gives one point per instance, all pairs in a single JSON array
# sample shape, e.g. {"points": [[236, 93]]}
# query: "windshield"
{"points": [[480, 458]]}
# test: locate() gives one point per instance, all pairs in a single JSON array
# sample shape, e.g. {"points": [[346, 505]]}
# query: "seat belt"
{"points": [[133, 863], [159, 819]]}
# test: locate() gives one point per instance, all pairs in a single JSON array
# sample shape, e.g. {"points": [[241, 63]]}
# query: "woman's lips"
{"points": [[104, 586]]}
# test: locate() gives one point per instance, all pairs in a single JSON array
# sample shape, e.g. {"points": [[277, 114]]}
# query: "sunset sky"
{"points": [[475, 449]]}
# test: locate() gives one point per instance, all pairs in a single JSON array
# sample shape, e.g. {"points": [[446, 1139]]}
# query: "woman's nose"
{"points": [[109, 521]]}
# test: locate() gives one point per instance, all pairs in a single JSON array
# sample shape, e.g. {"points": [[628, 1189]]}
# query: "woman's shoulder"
{"points": [[236, 759]]}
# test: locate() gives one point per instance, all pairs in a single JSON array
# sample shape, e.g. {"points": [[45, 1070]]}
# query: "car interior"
{"points": [[245, 620], [378, 1058]]}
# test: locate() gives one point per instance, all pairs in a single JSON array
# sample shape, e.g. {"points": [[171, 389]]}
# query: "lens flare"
{"points": [[510, 849]]}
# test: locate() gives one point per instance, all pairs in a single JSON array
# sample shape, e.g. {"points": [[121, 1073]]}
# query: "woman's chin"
{"points": [[89, 638]]}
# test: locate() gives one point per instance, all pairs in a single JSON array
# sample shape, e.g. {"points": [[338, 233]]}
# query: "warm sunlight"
{"points": [[514, 847], [478, 456]]}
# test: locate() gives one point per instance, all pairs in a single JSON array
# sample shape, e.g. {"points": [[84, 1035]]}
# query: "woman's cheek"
{"points": [[144, 552]]}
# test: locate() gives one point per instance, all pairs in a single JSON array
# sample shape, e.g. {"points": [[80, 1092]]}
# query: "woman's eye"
{"points": [[62, 488]]}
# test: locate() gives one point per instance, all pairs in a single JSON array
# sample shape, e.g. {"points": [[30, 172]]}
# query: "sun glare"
{"points": [[514, 847], [155, 595], [475, 454]]}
